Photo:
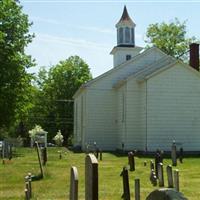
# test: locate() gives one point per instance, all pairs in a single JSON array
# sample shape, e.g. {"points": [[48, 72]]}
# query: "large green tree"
{"points": [[15, 82], [169, 37], [54, 98]]}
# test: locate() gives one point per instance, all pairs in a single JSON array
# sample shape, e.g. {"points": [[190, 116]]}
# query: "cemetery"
{"points": [[74, 176]]}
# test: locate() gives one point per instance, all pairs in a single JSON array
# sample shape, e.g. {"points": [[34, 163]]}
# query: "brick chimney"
{"points": [[194, 56]]}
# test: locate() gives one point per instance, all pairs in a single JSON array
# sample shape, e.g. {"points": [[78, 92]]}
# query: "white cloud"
{"points": [[45, 20]]}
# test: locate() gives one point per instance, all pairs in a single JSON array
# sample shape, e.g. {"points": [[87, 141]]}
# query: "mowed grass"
{"points": [[55, 185]]}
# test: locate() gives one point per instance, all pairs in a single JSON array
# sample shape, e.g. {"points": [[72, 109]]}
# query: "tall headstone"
{"points": [[137, 189], [73, 184], [160, 175], [170, 176], [91, 177], [173, 154], [39, 159], [131, 161], [126, 189], [176, 179], [181, 155], [158, 159]]}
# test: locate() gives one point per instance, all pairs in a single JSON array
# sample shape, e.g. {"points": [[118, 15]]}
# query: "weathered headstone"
{"points": [[39, 159], [137, 189], [153, 178], [74, 184], [165, 194], [160, 175], [173, 154], [181, 155], [91, 177], [176, 179], [131, 161], [170, 176], [158, 159], [126, 189], [151, 165]]}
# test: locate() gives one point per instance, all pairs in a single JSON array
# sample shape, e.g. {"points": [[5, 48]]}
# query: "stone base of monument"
{"points": [[166, 194]]}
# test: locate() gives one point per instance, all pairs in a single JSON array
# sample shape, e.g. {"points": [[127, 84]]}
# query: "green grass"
{"points": [[55, 185]]}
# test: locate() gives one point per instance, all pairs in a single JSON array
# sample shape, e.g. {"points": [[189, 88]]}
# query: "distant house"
{"points": [[145, 102]]}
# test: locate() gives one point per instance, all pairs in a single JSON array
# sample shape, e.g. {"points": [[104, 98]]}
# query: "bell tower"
{"points": [[125, 48]]}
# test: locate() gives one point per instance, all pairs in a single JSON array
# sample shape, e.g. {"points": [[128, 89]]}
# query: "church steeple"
{"points": [[125, 30], [125, 49]]}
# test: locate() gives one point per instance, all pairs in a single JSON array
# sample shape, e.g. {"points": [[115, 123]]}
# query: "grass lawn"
{"points": [[55, 185]]}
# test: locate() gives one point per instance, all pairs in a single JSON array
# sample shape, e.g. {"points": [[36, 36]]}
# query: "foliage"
{"points": [[169, 37], [15, 82], [58, 138], [54, 95], [36, 130]]}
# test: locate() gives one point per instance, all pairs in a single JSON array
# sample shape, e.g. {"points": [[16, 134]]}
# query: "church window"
{"points": [[132, 36], [128, 57], [127, 35], [121, 35]]}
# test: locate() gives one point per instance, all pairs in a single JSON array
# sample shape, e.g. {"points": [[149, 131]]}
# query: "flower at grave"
{"points": [[36, 130], [58, 138]]}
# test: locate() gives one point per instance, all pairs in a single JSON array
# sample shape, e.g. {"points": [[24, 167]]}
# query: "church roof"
{"points": [[125, 17]]}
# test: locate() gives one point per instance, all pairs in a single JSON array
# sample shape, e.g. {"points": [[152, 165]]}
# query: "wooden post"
{"points": [[137, 189], [176, 180], [91, 177], [126, 189], [74, 184], [170, 176], [131, 161]]}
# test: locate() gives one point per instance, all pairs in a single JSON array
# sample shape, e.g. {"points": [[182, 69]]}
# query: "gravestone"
{"points": [[151, 165], [39, 159], [131, 161], [176, 179], [181, 155], [44, 155], [170, 176], [158, 159], [153, 178], [173, 154], [73, 184], [126, 189], [166, 194], [91, 177], [160, 175], [137, 189]]}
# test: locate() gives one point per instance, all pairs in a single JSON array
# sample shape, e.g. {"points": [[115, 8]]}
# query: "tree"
{"points": [[54, 104], [170, 38], [15, 82]]}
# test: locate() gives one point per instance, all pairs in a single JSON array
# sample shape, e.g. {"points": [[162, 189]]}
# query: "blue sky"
{"points": [[87, 28]]}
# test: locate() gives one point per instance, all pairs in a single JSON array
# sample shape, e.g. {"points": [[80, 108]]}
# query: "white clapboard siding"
{"points": [[101, 118], [135, 115], [173, 109]]}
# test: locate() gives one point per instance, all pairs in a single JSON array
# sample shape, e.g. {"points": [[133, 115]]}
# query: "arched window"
{"points": [[120, 35], [127, 35]]}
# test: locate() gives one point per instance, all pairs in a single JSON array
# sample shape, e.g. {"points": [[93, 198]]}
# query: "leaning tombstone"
{"points": [[181, 155], [73, 184], [170, 176], [91, 177], [126, 189], [39, 159], [166, 194], [131, 161], [173, 154], [176, 179], [137, 189], [160, 175]]}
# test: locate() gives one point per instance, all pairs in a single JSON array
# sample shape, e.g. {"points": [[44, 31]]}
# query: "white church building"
{"points": [[147, 100]]}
